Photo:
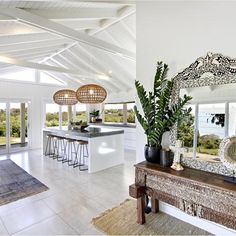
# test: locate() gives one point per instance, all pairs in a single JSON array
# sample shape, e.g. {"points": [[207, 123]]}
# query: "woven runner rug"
{"points": [[121, 220], [16, 183]]}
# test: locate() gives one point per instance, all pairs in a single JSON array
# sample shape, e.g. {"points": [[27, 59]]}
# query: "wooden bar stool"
{"points": [[49, 146], [83, 153], [58, 147], [68, 157]]}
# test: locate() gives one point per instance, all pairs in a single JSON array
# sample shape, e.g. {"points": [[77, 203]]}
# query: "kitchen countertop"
{"points": [[89, 132], [114, 125]]}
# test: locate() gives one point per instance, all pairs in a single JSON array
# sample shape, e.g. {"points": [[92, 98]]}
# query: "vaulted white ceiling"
{"points": [[77, 41]]}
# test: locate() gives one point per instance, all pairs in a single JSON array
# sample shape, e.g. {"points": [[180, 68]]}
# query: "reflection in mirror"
{"points": [[186, 131], [211, 130], [232, 119], [206, 126]]}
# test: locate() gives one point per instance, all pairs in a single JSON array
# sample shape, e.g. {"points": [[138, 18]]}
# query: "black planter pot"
{"points": [[166, 158], [152, 154]]}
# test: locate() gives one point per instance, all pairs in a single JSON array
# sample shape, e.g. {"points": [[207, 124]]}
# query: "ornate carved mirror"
{"points": [[211, 81]]}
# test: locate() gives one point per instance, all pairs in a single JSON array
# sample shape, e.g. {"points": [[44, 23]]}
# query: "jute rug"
{"points": [[16, 183], [122, 221]]}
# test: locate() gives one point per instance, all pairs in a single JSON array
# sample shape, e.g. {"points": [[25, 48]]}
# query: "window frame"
{"points": [[45, 102], [74, 111], [125, 113]]}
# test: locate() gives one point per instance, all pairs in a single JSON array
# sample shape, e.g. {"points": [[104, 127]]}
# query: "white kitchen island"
{"points": [[105, 146]]}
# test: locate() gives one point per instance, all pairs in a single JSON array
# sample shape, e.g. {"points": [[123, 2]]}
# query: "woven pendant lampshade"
{"points": [[91, 93], [65, 97]]}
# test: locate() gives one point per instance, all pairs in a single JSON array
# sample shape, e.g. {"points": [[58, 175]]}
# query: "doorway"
{"points": [[14, 126]]}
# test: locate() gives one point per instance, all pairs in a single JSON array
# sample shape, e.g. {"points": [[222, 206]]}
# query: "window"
{"points": [[45, 78], [58, 116], [52, 115], [113, 113], [64, 115], [2, 126], [27, 75], [119, 113], [130, 112], [80, 112]]}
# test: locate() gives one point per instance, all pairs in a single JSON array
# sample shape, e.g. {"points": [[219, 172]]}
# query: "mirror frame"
{"points": [[213, 69]]}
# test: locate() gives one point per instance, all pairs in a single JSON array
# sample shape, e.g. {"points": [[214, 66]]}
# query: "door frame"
{"points": [[8, 101]]}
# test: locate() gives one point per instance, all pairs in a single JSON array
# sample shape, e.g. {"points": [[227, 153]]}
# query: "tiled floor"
{"points": [[73, 199]]}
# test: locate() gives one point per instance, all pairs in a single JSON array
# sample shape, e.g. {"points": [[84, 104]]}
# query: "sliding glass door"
{"points": [[14, 126], [3, 128], [18, 125]]}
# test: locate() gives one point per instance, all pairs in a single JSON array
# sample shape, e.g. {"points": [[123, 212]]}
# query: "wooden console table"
{"points": [[198, 193]]}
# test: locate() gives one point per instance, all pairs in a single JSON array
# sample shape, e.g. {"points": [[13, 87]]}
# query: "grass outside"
{"points": [[113, 118], [12, 140], [208, 151]]}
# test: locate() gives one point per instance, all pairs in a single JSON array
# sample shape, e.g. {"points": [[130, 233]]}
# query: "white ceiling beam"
{"points": [[78, 2], [122, 17], [66, 76], [121, 14], [31, 51], [96, 63], [55, 77], [93, 76], [98, 74], [80, 25], [54, 61], [35, 45], [80, 13], [128, 30], [22, 28], [68, 14], [53, 27], [119, 2], [34, 58], [32, 65], [27, 38]]}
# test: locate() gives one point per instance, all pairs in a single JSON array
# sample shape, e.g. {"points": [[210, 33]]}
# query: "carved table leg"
{"points": [[155, 205], [140, 210]]}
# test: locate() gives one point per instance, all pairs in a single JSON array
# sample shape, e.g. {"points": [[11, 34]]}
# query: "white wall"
{"points": [[36, 94], [178, 32], [121, 97]]}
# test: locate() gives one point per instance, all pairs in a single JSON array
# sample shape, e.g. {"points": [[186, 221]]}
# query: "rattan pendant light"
{"points": [[65, 97], [91, 94]]}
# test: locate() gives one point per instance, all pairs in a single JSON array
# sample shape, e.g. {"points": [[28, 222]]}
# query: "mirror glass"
{"points": [[213, 117]]}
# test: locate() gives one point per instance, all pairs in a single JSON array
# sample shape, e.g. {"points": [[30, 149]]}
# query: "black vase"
{"points": [[152, 154], [166, 158]]}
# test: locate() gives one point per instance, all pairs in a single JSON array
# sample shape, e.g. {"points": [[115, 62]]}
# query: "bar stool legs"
{"points": [[68, 154], [50, 146], [76, 161], [83, 147], [63, 149]]}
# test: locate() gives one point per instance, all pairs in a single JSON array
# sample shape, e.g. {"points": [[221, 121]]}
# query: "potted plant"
{"points": [[94, 115], [159, 115]]}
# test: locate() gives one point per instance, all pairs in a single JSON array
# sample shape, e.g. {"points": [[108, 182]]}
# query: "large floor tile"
{"points": [[25, 216], [52, 226], [3, 230], [73, 198]]}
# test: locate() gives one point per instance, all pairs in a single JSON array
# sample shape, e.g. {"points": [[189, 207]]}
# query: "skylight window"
{"points": [[27, 75], [48, 79]]}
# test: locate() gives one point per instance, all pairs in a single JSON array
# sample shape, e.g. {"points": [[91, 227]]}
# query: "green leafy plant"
{"points": [[94, 113], [159, 114]]}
